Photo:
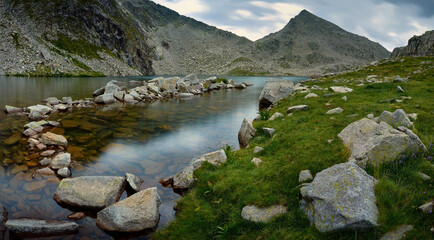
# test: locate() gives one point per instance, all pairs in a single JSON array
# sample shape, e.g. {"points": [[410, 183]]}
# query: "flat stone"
{"points": [[49, 138], [52, 100], [133, 181], [258, 150], [305, 176], [43, 110], [246, 132], [340, 197], [311, 95], [257, 161], [340, 89], [269, 131], [45, 172], [398, 233], [275, 116], [11, 109], [133, 214], [92, 192], [33, 186], [335, 111], [30, 132], [255, 214], [77, 216], [61, 160], [12, 139], [297, 108], [37, 124], [19, 168], [47, 153], [36, 227], [45, 161]]}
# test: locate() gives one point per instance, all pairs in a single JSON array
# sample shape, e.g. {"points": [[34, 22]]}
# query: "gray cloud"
{"points": [[389, 22]]}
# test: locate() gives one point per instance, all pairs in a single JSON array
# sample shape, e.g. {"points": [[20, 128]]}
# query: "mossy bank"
{"points": [[308, 140]]}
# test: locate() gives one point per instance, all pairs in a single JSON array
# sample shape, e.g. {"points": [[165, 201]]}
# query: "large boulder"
{"points": [[396, 119], [246, 132], [255, 214], [37, 227], [191, 79], [11, 109], [92, 192], [169, 84], [275, 90], [133, 214], [106, 98], [373, 143], [184, 180], [340, 197], [43, 110], [52, 101], [49, 138]]}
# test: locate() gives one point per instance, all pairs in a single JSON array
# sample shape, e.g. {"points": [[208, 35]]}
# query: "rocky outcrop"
{"points": [[396, 119], [422, 45], [340, 197], [184, 180], [255, 214], [36, 227], [90, 192], [275, 90], [246, 132], [133, 214], [374, 143]]}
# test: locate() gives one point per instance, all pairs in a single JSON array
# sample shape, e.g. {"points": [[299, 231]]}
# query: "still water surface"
{"points": [[151, 140]]}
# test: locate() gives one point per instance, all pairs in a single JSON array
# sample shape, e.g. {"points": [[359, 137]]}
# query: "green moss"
{"points": [[212, 209], [222, 80], [77, 47]]}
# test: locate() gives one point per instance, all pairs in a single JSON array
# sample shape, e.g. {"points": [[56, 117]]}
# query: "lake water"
{"points": [[151, 140]]}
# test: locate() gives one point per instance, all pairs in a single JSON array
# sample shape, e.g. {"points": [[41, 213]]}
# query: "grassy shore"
{"points": [[212, 210]]}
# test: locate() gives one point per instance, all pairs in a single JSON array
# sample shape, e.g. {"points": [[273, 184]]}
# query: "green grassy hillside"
{"points": [[212, 210]]}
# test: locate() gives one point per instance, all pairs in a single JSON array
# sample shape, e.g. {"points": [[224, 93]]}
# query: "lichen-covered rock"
{"points": [[37, 227], [373, 143], [275, 90], [335, 111], [427, 207], [305, 176], [169, 84], [49, 138], [398, 233], [255, 214], [11, 109], [396, 119], [340, 197], [52, 100], [246, 132], [43, 110], [92, 192], [61, 160], [133, 214]]}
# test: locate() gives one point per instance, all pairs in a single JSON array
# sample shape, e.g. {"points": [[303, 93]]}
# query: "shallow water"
{"points": [[151, 140]]}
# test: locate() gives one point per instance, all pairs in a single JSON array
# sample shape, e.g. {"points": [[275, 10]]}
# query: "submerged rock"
{"points": [[373, 143], [93, 192], [133, 214], [255, 214], [37, 227], [246, 132], [340, 197], [275, 90]]}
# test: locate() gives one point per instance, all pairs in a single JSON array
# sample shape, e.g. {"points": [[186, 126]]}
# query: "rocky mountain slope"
{"points": [[417, 46], [133, 37], [90, 37]]}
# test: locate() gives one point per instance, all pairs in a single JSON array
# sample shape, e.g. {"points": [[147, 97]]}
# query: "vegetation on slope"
{"points": [[212, 210]]}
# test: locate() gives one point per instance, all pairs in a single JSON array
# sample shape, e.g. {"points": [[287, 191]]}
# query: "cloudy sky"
{"points": [[389, 22]]}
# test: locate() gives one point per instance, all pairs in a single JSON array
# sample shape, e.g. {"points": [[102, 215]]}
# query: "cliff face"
{"points": [[417, 46], [89, 37], [134, 37]]}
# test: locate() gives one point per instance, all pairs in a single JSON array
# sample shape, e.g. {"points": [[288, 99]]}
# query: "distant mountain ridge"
{"points": [[132, 37]]}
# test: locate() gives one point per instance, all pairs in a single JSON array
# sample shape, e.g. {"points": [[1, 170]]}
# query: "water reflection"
{"points": [[151, 140]]}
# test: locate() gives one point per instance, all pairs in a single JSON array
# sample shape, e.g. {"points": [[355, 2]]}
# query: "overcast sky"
{"points": [[389, 22]]}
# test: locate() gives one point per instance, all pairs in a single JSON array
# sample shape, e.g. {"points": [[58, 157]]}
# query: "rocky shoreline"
{"points": [[48, 148]]}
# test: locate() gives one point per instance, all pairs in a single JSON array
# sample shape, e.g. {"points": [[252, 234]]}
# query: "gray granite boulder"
{"points": [[396, 119], [133, 214], [305, 176], [340, 197], [49, 138], [11, 109], [133, 181], [169, 85], [335, 111], [52, 100], [43, 110], [37, 227], [255, 214], [64, 172], [91, 192], [246, 132], [35, 116], [373, 143], [398, 233], [275, 90], [106, 98], [61, 160]]}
